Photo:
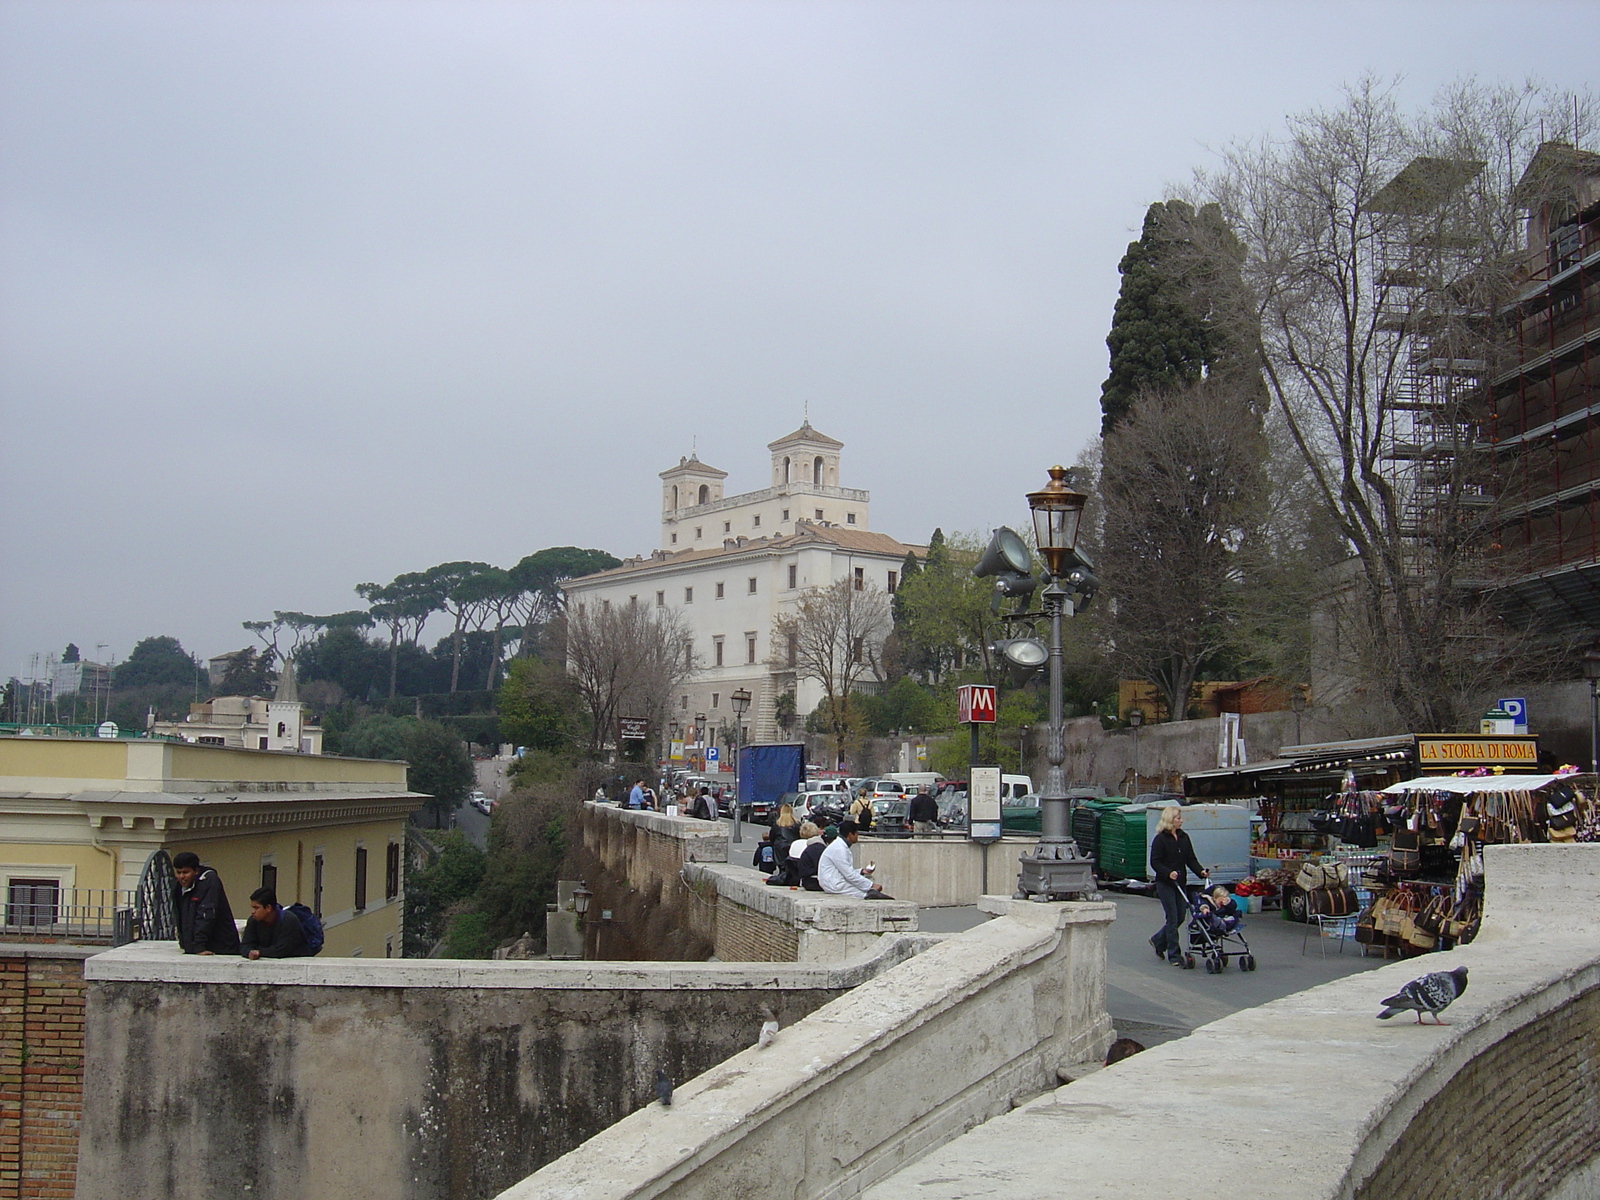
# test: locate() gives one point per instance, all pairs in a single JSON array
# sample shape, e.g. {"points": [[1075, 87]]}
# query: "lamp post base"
{"points": [[1056, 871]]}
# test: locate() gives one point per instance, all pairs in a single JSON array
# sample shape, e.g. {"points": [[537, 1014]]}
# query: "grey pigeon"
{"points": [[769, 1027], [1432, 993], [663, 1087]]}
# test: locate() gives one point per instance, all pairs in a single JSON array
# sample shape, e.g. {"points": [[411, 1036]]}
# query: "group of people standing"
{"points": [[703, 804]]}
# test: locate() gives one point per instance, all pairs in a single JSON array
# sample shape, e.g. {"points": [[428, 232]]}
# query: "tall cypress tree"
{"points": [[1170, 327]]}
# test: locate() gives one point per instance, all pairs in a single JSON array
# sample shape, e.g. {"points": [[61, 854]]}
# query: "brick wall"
{"points": [[746, 936], [1479, 1138], [41, 1070]]}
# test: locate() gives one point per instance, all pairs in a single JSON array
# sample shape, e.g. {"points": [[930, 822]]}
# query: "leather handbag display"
{"points": [[1333, 901]]}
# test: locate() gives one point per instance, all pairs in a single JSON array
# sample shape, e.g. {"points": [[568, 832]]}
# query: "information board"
{"points": [[983, 804]]}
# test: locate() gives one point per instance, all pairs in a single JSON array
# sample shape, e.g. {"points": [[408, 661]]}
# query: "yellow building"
{"points": [[80, 818]]}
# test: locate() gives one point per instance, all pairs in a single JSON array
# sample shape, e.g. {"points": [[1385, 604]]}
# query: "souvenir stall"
{"points": [[1427, 893], [1326, 801]]}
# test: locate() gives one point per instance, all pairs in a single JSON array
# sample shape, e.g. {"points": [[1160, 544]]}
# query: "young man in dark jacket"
{"points": [[205, 922], [272, 930]]}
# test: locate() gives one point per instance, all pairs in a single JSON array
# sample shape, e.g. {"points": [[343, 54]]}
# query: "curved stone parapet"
{"points": [[1310, 1096]]}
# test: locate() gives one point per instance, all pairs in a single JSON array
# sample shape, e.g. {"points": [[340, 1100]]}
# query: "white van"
{"points": [[1014, 787]]}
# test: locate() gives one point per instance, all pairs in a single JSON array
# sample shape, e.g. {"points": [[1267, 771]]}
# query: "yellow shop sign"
{"points": [[1477, 751]]}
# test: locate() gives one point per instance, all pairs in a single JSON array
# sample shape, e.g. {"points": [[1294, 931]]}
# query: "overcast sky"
{"points": [[297, 295]]}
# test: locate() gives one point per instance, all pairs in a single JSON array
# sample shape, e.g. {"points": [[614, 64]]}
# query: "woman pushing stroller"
{"points": [[1172, 858]]}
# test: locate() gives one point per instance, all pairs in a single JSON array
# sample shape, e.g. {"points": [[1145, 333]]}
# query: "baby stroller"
{"points": [[1215, 938]]}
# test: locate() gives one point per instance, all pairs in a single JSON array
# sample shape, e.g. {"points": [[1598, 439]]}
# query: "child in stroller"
{"points": [[1216, 931]]}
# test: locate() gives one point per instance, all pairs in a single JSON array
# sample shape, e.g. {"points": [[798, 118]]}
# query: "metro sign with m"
{"points": [[977, 704]]}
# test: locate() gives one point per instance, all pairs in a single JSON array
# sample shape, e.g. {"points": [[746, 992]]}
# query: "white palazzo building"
{"points": [[727, 565]]}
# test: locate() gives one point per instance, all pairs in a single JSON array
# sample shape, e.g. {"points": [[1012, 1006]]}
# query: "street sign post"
{"points": [[976, 704], [634, 729], [712, 754], [1517, 707], [983, 804]]}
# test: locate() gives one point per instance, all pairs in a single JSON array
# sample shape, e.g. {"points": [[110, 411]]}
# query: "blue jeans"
{"points": [[1174, 905]]}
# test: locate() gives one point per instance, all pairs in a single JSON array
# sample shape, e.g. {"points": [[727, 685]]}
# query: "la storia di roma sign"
{"points": [[1439, 751]]}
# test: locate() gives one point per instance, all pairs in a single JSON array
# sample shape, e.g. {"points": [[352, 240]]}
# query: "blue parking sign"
{"points": [[1517, 706], [711, 754]]}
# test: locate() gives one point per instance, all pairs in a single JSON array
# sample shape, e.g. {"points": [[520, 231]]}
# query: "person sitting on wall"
{"points": [[765, 860], [836, 870], [205, 922], [812, 855], [272, 930]]}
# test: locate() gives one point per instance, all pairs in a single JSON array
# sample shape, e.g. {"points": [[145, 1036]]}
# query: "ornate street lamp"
{"points": [[1297, 702], [1056, 870], [1591, 672], [741, 705], [1135, 719], [700, 738]]}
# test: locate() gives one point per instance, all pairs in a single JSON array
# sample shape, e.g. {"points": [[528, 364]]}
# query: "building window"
{"points": [[717, 648], [605, 606], [819, 514], [755, 522], [749, 647], [727, 527], [269, 875], [785, 514], [858, 649], [661, 599], [861, 580], [719, 591], [316, 885], [894, 581], [688, 655], [688, 595], [794, 575], [849, 518], [705, 495], [262, 743], [716, 699], [750, 586], [697, 533], [633, 602], [33, 902], [361, 878], [674, 539], [794, 649], [683, 702], [391, 873], [816, 469]]}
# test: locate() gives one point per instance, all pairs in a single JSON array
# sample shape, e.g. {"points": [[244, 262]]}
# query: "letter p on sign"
{"points": [[976, 703]]}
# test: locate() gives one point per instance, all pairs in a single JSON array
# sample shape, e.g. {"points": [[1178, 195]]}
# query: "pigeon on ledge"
{"points": [[663, 1087], [769, 1027], [1432, 993]]}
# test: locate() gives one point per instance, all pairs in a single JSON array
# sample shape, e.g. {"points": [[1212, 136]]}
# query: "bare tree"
{"points": [[835, 635], [625, 660], [1378, 247], [1183, 490]]}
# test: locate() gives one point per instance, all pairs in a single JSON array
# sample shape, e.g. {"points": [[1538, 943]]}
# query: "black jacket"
{"points": [[284, 938], [809, 857], [1171, 852], [205, 922], [924, 808], [782, 838]]}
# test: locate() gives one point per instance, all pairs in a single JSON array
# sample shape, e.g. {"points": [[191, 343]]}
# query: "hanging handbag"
{"points": [[1418, 936], [1321, 875], [1432, 916]]}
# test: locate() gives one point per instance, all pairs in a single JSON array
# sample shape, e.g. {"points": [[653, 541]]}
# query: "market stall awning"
{"points": [[1258, 768], [1472, 784]]}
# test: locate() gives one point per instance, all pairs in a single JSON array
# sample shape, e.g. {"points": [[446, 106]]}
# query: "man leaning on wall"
{"points": [[205, 922]]}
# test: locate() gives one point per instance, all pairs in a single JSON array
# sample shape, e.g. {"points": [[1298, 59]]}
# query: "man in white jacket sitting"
{"points": [[836, 870]]}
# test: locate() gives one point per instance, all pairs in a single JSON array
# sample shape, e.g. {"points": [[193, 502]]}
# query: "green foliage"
{"points": [[527, 844], [467, 936], [438, 760], [156, 661], [450, 880], [907, 706], [70, 654], [249, 674], [1163, 333], [536, 704], [945, 612]]}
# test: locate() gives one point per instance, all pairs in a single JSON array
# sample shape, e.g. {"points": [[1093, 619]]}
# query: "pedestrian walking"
{"points": [[1172, 857]]}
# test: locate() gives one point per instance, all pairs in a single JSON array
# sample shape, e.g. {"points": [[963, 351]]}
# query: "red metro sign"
{"points": [[977, 703]]}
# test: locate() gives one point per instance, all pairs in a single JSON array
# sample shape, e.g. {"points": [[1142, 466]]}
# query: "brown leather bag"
{"points": [[1332, 901]]}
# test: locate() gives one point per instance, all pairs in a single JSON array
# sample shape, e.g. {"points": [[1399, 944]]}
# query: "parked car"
{"points": [[891, 816], [481, 802], [885, 787], [1020, 815]]}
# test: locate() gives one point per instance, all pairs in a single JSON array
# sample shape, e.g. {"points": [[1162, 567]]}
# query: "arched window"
{"points": [[786, 470], [674, 495], [705, 493], [816, 470]]}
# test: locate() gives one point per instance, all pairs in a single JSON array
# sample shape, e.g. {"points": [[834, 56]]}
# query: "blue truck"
{"points": [[766, 772]]}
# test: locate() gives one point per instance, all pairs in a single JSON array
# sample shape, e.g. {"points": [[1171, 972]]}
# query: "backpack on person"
{"points": [[861, 813], [311, 926]]}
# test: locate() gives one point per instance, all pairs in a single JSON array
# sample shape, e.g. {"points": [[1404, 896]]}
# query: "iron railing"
{"points": [[44, 909]]}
